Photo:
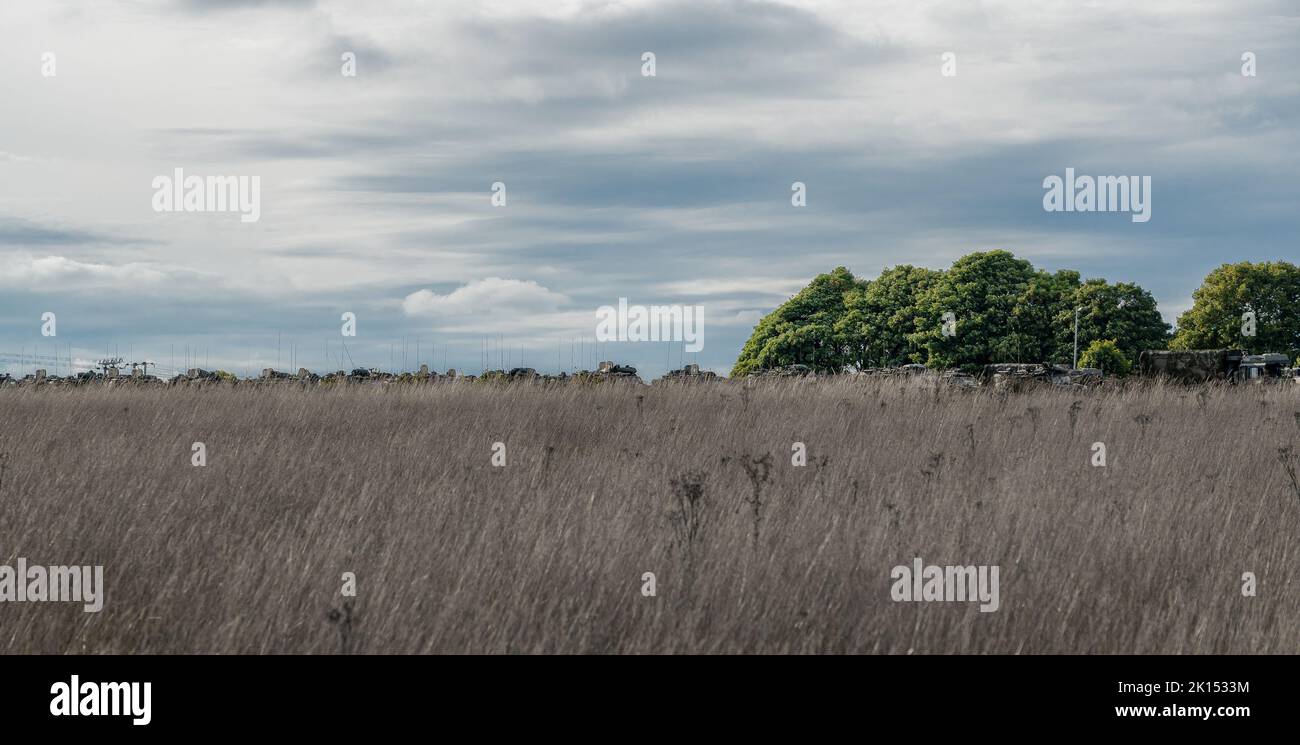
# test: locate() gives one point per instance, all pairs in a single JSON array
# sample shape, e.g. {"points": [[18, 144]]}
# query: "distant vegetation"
{"points": [[1005, 310], [1105, 355], [1270, 289]]}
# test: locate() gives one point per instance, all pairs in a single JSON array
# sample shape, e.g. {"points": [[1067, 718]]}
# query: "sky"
{"points": [[376, 188]]}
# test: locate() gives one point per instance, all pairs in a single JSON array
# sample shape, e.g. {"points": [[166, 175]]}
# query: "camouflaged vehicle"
{"points": [[689, 374], [959, 379], [338, 377], [1257, 368], [1190, 365], [270, 374], [1021, 374], [425, 375], [1015, 375], [85, 377], [785, 371], [607, 372], [197, 376], [612, 368], [611, 371], [1082, 376], [369, 375], [913, 368]]}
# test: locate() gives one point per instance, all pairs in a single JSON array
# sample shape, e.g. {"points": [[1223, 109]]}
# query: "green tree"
{"points": [[1005, 310], [802, 330], [1105, 355], [1269, 289], [1123, 313], [880, 316], [982, 291], [1036, 319]]}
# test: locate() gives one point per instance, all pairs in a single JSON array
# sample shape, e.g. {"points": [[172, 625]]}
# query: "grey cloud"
{"points": [[626, 186], [210, 6], [19, 233]]}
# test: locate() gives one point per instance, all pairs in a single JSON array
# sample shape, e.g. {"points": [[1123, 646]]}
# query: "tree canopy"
{"points": [[802, 329], [1004, 310], [1123, 313], [881, 316], [1271, 290]]}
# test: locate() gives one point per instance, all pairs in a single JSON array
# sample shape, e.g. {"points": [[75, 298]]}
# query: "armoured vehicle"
{"points": [[786, 371], [1191, 365], [607, 371], [1260, 367], [1080, 376], [196, 376], [913, 368], [688, 374], [959, 379], [1203, 365], [1019, 374], [610, 371], [1016, 374]]}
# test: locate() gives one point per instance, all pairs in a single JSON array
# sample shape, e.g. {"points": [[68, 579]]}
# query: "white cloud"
{"points": [[27, 271], [745, 318], [491, 296]]}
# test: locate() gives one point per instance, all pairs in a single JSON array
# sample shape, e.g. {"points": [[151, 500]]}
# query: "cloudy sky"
{"points": [[375, 189]]}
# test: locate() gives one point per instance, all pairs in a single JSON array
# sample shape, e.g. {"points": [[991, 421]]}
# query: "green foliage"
{"points": [[1270, 289], [881, 315], [1105, 355], [1042, 313], [802, 330], [982, 290], [1123, 313], [1005, 310]]}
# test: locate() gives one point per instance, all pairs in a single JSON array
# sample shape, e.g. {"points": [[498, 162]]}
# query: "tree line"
{"points": [[1005, 310]]}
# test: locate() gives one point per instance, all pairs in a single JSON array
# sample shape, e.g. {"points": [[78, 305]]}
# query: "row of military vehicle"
{"points": [[1189, 366], [606, 371]]}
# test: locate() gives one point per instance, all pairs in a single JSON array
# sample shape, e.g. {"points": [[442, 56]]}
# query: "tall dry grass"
{"points": [[694, 484]]}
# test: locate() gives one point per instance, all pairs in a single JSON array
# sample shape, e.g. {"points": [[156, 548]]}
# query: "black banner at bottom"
{"points": [[217, 695]]}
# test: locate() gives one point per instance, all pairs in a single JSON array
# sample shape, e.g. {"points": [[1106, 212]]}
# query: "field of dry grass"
{"points": [[695, 484]]}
